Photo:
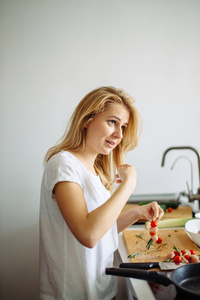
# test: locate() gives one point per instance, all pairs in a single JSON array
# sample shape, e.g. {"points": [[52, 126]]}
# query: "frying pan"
{"points": [[186, 278]]}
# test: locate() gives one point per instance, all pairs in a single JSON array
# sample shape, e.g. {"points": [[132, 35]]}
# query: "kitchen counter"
{"points": [[141, 289]]}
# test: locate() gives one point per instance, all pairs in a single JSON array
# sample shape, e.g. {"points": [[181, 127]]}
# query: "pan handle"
{"points": [[143, 266], [152, 276]]}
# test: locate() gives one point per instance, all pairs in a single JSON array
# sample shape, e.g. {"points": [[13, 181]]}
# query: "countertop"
{"points": [[140, 289]]}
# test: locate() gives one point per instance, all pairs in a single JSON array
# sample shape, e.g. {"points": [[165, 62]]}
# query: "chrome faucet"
{"points": [[190, 189], [191, 196]]}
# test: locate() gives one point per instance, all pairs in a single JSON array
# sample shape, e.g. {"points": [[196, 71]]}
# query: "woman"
{"points": [[80, 216]]}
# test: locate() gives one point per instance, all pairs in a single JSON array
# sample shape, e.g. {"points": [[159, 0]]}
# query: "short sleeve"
{"points": [[60, 168]]}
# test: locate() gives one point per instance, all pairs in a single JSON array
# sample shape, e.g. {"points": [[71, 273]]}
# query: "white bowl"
{"points": [[192, 227], [197, 215]]}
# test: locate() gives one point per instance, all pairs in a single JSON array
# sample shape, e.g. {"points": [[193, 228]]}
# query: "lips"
{"points": [[110, 143]]}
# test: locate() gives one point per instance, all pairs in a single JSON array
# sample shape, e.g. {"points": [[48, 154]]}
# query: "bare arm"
{"points": [[151, 211], [89, 228]]}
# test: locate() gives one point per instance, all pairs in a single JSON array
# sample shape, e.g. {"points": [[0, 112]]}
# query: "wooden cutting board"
{"points": [[170, 237], [180, 212]]}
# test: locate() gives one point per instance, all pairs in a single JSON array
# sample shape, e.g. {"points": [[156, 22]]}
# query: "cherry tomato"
{"points": [[177, 259], [187, 257], [153, 233], [183, 252], [153, 224], [176, 253], [159, 241], [192, 252], [169, 209]]}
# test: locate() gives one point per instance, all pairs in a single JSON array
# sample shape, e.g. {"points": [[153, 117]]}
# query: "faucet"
{"points": [[190, 189], [191, 196]]}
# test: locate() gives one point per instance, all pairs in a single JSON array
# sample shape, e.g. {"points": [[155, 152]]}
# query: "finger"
{"points": [[155, 211], [122, 166], [160, 213]]}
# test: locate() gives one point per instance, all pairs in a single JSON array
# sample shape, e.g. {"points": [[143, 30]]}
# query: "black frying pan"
{"points": [[186, 278]]}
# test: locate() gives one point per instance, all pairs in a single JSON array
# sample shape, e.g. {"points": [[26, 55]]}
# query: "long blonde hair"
{"points": [[92, 104]]}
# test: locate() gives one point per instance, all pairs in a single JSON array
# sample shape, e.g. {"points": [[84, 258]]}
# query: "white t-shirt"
{"points": [[69, 270]]}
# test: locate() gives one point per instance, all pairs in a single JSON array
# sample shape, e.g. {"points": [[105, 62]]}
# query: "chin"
{"points": [[106, 152]]}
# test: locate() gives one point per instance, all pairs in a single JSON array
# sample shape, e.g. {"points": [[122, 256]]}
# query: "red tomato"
{"points": [[153, 224], [169, 209], [183, 252], [159, 241], [176, 253], [153, 233], [187, 257], [177, 259], [192, 251]]}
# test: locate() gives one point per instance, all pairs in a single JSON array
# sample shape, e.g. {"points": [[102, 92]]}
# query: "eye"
{"points": [[111, 122], [123, 128]]}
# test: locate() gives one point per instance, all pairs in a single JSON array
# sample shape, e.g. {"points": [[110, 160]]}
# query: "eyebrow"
{"points": [[117, 119]]}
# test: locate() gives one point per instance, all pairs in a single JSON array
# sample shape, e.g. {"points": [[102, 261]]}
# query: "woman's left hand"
{"points": [[151, 211]]}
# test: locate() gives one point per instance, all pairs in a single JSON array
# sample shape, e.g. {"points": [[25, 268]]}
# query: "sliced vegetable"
{"points": [[176, 222]]}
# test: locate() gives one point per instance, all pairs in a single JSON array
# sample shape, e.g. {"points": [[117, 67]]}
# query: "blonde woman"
{"points": [[80, 215]]}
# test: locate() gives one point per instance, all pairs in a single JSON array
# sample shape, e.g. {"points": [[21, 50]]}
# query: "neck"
{"points": [[86, 159]]}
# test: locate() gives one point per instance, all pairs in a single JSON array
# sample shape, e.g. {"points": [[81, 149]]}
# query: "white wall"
{"points": [[52, 54]]}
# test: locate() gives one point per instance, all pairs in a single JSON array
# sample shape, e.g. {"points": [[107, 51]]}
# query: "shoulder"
{"points": [[61, 164], [61, 158], [61, 167]]}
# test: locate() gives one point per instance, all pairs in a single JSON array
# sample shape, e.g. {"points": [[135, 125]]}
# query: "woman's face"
{"points": [[105, 131]]}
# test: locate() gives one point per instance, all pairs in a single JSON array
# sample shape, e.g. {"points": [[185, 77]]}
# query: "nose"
{"points": [[118, 133]]}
